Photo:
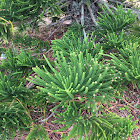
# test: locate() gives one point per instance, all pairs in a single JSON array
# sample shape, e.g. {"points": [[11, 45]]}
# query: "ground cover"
{"points": [[56, 94]]}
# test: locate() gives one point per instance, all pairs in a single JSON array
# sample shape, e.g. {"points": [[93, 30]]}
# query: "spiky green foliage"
{"points": [[12, 88], [13, 117], [128, 63], [135, 32], [73, 41], [80, 82], [117, 40], [95, 126], [113, 40], [71, 44], [75, 29], [112, 27], [38, 132], [24, 9], [26, 41], [83, 76], [27, 60], [6, 29], [78, 86], [115, 21], [10, 62], [136, 29], [20, 62], [20, 10], [121, 127]]}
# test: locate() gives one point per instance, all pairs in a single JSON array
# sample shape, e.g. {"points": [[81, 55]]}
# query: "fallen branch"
{"points": [[82, 19], [48, 117], [92, 16]]}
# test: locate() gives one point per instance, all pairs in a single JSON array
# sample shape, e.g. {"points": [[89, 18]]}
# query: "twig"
{"points": [[48, 51], [60, 21], [54, 32], [120, 105], [45, 52], [57, 28], [92, 16], [30, 84], [131, 105], [26, 109], [48, 117], [94, 2], [82, 19], [51, 125], [30, 48], [137, 102], [33, 26], [64, 132]]}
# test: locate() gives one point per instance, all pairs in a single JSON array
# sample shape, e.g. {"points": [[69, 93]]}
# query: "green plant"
{"points": [[25, 59], [71, 44], [25, 13], [25, 9], [135, 28], [82, 82], [135, 31], [6, 29], [38, 132], [73, 41], [20, 62], [26, 41], [128, 63], [113, 27], [77, 86], [115, 21], [12, 88], [117, 40], [103, 127], [10, 61], [79, 76], [13, 117], [113, 40]]}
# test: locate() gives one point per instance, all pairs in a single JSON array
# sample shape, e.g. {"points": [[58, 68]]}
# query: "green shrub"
{"points": [[13, 117], [38, 132], [83, 75], [81, 81], [17, 11], [12, 88], [128, 63], [20, 61], [26, 9], [115, 21], [6, 29], [113, 27], [77, 86]]}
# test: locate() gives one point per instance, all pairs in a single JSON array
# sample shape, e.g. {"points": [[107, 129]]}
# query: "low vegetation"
{"points": [[77, 79]]}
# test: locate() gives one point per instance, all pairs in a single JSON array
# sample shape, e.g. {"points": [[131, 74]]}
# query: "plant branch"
{"points": [[82, 19], [48, 116], [92, 15]]}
